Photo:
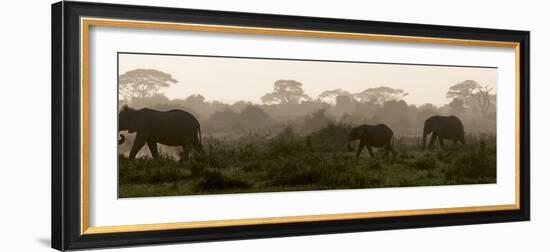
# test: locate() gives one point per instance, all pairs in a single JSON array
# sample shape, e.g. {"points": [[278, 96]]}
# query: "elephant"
{"points": [[443, 127], [171, 128], [379, 136]]}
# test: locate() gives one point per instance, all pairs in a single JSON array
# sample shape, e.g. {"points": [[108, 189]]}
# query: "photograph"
{"points": [[178, 123], [205, 124]]}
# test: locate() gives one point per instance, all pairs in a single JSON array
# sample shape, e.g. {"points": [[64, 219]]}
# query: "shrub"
{"points": [[299, 170], [287, 143], [297, 177], [426, 162], [352, 178], [215, 180], [331, 138], [405, 155], [374, 164], [150, 171], [474, 164]]}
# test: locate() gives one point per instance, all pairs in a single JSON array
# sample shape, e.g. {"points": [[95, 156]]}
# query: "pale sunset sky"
{"points": [[233, 79]]}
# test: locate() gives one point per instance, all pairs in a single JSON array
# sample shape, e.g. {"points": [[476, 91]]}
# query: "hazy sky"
{"points": [[230, 79]]}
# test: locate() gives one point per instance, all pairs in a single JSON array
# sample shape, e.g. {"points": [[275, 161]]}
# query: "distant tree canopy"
{"points": [[316, 120], [380, 95], [426, 110], [194, 101], [240, 105], [156, 99], [330, 96], [393, 110], [224, 116], [142, 83], [288, 105], [285, 92], [473, 95], [253, 114], [456, 107]]}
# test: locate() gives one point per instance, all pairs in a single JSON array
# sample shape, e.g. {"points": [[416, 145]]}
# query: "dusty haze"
{"points": [[234, 79]]}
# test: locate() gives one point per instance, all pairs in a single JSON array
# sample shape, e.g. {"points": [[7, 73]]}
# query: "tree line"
{"points": [[288, 104]]}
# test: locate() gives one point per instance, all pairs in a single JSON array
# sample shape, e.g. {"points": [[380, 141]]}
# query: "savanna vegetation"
{"points": [[294, 142]]}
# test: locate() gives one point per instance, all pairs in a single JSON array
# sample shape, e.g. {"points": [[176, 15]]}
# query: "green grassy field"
{"points": [[318, 161]]}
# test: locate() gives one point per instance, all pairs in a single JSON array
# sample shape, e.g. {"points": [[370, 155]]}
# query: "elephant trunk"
{"points": [[122, 139]]}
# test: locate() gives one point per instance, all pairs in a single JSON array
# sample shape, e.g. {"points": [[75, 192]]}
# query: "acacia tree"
{"points": [[330, 96], [474, 95], [380, 95], [142, 83], [286, 92]]}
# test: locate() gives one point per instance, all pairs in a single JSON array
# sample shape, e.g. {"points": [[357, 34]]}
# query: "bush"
{"points": [[215, 180], [288, 161], [332, 138], [300, 170], [287, 143], [474, 164], [150, 171], [426, 162]]}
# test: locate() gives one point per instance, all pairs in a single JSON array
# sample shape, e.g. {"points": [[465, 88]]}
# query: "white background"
{"points": [[106, 210], [25, 131]]}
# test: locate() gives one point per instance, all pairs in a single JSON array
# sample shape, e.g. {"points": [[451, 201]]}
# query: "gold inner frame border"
{"points": [[86, 23]]}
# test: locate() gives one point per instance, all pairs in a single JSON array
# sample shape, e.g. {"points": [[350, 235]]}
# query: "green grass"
{"points": [[319, 161]]}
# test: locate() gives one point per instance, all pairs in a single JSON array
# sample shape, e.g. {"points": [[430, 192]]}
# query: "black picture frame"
{"points": [[66, 114]]}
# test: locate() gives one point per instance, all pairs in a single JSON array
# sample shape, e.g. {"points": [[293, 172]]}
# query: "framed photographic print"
{"points": [[181, 125]]}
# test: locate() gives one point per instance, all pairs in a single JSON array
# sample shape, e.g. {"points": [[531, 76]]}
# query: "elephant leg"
{"points": [[432, 140], [138, 143], [455, 142], [360, 148], [369, 148], [153, 149]]}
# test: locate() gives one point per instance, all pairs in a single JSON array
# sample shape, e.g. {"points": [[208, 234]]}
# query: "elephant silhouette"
{"points": [[171, 128], [379, 136], [443, 127]]}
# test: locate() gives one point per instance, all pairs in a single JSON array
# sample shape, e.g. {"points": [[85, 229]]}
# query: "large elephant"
{"points": [[379, 136], [171, 128], [443, 127]]}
